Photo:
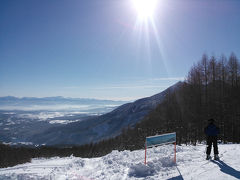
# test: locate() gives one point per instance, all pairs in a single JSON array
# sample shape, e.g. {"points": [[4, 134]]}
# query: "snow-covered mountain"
{"points": [[104, 126], [127, 165]]}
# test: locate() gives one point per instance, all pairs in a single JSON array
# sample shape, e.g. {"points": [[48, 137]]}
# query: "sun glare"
{"points": [[145, 8]]}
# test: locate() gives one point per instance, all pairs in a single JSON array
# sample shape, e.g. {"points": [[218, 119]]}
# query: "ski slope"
{"points": [[191, 164]]}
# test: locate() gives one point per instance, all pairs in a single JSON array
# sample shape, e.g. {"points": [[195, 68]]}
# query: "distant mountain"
{"points": [[11, 100], [104, 126], [54, 103], [22, 118]]}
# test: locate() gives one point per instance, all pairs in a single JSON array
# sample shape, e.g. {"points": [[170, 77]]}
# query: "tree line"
{"points": [[210, 90], [215, 83]]}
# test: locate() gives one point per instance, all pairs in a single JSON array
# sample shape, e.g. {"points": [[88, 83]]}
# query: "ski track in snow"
{"points": [[191, 165]]}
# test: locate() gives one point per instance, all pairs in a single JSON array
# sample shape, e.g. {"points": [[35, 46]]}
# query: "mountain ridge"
{"points": [[8, 99], [102, 127]]}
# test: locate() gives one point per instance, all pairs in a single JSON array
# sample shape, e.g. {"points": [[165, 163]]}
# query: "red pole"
{"points": [[145, 162], [175, 158]]}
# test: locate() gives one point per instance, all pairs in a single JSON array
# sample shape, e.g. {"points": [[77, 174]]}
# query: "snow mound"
{"points": [[140, 170], [129, 165], [156, 165]]}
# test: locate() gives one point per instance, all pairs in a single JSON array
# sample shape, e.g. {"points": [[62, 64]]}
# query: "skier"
{"points": [[212, 131]]}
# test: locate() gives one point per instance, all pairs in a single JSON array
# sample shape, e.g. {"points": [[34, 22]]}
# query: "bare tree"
{"points": [[212, 69], [233, 69]]}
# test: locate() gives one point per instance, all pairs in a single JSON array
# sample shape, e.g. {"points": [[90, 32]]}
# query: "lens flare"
{"points": [[148, 30], [145, 8]]}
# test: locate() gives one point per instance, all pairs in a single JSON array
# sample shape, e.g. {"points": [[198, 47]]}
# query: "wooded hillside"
{"points": [[211, 90]]}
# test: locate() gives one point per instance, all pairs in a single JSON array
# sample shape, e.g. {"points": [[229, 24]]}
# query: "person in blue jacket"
{"points": [[212, 132]]}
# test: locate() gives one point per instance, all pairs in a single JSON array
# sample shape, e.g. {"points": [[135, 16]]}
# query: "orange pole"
{"points": [[145, 162], [175, 156]]}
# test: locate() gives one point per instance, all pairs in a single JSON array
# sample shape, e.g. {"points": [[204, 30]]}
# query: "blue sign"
{"points": [[161, 139]]}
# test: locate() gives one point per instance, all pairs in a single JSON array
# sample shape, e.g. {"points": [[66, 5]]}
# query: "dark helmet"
{"points": [[211, 120]]}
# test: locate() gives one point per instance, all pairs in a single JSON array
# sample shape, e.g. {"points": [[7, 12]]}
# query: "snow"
{"points": [[191, 164], [63, 121], [43, 116]]}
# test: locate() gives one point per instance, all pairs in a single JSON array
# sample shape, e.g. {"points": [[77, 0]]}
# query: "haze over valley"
{"points": [[20, 118]]}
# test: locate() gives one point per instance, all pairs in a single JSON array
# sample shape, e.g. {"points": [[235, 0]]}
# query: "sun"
{"points": [[145, 8]]}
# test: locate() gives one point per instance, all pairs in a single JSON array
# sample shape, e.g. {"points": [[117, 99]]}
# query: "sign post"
{"points": [[157, 140]]}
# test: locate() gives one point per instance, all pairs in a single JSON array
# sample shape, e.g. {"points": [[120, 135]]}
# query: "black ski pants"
{"points": [[212, 140]]}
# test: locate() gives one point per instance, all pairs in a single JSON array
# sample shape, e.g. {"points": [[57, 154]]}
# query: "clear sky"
{"points": [[102, 49]]}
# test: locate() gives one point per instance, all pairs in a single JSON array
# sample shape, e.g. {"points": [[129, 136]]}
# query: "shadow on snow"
{"points": [[177, 177], [227, 169]]}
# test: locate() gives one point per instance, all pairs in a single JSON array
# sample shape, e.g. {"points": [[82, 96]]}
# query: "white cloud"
{"points": [[131, 87], [137, 83], [125, 89], [169, 79]]}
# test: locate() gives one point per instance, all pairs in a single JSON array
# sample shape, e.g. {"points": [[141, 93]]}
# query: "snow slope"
{"points": [[191, 164]]}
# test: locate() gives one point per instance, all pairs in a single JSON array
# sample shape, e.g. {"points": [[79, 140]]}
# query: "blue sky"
{"points": [[100, 48]]}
